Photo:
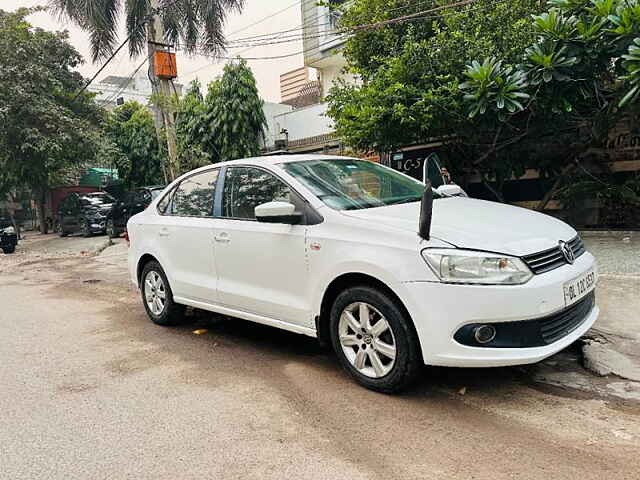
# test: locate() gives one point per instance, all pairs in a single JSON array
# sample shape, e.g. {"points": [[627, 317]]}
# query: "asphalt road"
{"points": [[90, 388]]}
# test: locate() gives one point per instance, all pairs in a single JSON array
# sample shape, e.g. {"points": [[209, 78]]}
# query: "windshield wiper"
{"points": [[405, 200]]}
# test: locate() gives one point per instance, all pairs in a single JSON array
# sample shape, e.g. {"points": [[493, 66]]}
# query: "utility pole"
{"points": [[163, 90]]}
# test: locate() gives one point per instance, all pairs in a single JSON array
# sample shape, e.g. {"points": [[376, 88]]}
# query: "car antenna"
{"points": [[426, 211]]}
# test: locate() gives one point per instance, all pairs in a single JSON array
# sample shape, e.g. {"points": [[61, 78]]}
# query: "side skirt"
{"points": [[310, 332]]}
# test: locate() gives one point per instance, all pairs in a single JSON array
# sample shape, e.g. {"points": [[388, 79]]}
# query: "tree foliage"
{"points": [[42, 129], [411, 71], [196, 24], [234, 122], [226, 124], [190, 128], [580, 74], [505, 85], [132, 145]]}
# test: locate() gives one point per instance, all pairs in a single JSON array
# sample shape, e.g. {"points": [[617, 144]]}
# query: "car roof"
{"points": [[271, 160]]}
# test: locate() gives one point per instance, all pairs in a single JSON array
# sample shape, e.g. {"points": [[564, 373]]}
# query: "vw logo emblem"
{"points": [[567, 252]]}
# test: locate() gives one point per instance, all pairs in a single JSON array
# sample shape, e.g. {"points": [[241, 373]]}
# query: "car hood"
{"points": [[476, 224]]}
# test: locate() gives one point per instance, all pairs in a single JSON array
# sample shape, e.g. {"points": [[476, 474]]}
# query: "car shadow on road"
{"points": [[282, 344]]}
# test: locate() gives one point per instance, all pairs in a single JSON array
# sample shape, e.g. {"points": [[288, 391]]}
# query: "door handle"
{"points": [[164, 232], [222, 237]]}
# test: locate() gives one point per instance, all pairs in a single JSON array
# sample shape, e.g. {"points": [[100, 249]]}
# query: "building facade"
{"points": [[306, 127]]}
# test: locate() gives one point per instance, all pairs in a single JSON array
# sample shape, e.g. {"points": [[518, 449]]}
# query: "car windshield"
{"points": [[350, 184], [97, 199]]}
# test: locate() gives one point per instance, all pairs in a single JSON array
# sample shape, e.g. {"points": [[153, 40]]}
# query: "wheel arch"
{"points": [[338, 285], [144, 259]]}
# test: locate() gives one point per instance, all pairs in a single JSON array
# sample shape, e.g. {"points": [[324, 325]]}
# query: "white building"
{"points": [[273, 132], [307, 128]]}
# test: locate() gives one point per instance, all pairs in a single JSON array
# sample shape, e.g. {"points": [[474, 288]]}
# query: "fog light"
{"points": [[484, 333]]}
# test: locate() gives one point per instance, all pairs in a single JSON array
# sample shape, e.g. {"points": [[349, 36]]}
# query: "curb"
{"points": [[602, 358], [102, 247]]}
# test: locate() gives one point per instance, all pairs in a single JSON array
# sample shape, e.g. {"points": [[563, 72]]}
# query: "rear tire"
{"points": [[157, 296], [111, 229], [8, 250], [380, 350]]}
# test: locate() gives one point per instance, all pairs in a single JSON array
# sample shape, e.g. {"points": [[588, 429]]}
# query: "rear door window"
{"points": [[194, 196]]}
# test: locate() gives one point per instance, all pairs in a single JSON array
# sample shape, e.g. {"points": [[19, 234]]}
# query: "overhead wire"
{"points": [[104, 65], [342, 33], [338, 34], [247, 27]]}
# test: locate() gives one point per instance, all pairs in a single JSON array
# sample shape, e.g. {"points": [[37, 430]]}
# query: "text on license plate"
{"points": [[579, 287]]}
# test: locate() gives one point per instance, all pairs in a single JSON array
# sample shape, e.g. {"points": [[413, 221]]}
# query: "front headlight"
{"points": [[466, 266], [8, 230]]}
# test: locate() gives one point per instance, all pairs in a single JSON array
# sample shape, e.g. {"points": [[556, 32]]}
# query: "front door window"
{"points": [[246, 188]]}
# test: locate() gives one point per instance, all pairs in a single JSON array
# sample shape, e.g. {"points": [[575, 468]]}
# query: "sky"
{"points": [[267, 72]]}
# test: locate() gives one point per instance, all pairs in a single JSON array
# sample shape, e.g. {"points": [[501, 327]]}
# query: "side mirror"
{"points": [[277, 212], [451, 190], [432, 171]]}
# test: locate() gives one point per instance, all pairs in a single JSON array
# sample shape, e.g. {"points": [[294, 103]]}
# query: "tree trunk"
{"points": [[12, 216], [549, 195], [40, 210], [488, 186]]}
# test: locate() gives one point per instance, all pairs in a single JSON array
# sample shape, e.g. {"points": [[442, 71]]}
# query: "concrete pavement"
{"points": [[614, 347]]}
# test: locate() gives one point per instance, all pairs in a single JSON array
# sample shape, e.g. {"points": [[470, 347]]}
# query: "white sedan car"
{"points": [[331, 247]]}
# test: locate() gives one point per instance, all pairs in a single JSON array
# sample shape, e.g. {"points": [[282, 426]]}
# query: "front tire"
{"points": [[84, 228], [8, 250], [374, 339], [157, 296]]}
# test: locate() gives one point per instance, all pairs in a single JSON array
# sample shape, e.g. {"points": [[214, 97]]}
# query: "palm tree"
{"points": [[196, 24]]}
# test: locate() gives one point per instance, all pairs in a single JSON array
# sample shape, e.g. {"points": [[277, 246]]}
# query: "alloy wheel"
{"points": [[155, 293], [367, 339]]}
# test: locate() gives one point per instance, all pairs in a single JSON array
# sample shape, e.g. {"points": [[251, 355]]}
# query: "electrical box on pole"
{"points": [[165, 66]]}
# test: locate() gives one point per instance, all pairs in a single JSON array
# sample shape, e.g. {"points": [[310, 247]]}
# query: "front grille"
{"points": [[553, 258], [532, 333], [562, 324]]}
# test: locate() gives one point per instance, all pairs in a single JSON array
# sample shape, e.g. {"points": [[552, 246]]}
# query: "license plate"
{"points": [[580, 286]]}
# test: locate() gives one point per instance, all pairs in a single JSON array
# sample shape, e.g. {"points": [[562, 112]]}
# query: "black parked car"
{"points": [[8, 236], [84, 212], [130, 204]]}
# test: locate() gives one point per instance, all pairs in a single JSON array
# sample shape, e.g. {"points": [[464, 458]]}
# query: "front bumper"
{"points": [[440, 310]]}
